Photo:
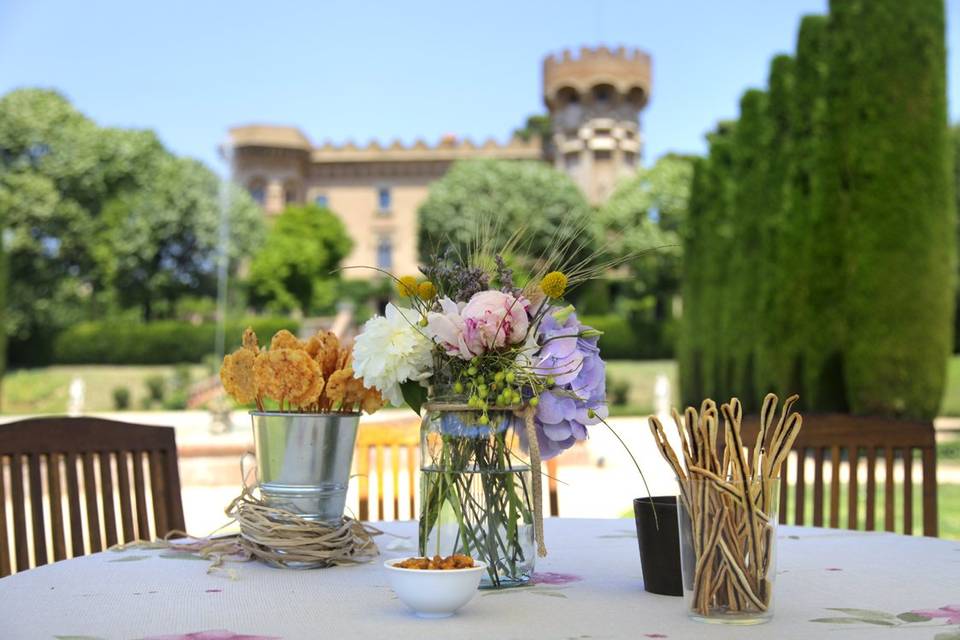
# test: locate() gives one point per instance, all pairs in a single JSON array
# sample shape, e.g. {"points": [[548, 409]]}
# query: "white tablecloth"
{"points": [[589, 587]]}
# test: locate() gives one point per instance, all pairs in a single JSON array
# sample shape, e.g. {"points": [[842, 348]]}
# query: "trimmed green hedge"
{"points": [[162, 342], [822, 232], [887, 138], [618, 341]]}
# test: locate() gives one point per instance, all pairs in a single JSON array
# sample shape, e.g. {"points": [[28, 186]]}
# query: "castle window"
{"points": [[321, 200], [629, 158], [291, 193], [258, 190], [384, 200], [385, 253], [571, 160], [602, 93], [602, 155]]}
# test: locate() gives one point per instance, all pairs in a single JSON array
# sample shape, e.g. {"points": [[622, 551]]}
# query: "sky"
{"points": [[363, 70]]}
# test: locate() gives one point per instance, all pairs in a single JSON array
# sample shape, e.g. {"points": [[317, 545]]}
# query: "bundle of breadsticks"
{"points": [[729, 493]]}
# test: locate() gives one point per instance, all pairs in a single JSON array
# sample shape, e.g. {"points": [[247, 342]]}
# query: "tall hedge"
{"points": [[693, 330], [808, 332], [778, 261], [887, 148], [160, 342], [751, 203], [713, 253]]}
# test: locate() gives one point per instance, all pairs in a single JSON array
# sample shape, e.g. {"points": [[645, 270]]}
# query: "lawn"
{"points": [[948, 508], [47, 390], [951, 395], [641, 375]]}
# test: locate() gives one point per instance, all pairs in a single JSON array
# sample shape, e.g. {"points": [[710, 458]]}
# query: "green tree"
{"points": [[955, 134], [751, 207], [643, 217], [294, 270], [160, 242], [691, 347], [714, 199], [57, 169], [536, 126], [499, 197], [812, 333], [779, 274], [889, 184]]}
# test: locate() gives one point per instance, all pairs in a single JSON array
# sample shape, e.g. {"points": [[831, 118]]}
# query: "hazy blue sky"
{"points": [[360, 70]]}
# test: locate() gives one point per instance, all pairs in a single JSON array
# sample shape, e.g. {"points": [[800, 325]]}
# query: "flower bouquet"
{"points": [[505, 376]]}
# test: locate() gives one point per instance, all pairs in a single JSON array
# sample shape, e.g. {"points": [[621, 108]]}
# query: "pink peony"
{"points": [[490, 320], [493, 319], [447, 327]]}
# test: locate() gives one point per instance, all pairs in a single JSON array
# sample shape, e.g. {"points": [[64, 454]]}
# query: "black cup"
{"points": [[659, 540]]}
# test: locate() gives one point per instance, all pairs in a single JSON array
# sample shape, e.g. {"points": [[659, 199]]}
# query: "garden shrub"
{"points": [[889, 158], [121, 398], [162, 342]]}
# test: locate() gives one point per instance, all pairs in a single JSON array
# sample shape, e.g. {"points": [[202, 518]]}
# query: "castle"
{"points": [[594, 98]]}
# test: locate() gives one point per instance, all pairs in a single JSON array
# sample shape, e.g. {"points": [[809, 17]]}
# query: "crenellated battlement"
{"points": [[448, 147], [628, 71]]}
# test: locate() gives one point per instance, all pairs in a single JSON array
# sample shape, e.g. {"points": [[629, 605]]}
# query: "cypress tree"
{"points": [[803, 326], [717, 230], [887, 174], [751, 201], [776, 252], [692, 332]]}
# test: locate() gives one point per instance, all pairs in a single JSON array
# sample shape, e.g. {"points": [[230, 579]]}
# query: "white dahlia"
{"points": [[391, 350]]}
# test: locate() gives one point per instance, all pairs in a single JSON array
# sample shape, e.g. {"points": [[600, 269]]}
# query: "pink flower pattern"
{"points": [[549, 577], [950, 611], [212, 635]]}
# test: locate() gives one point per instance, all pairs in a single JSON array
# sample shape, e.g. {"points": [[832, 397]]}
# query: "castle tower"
{"points": [[595, 98]]}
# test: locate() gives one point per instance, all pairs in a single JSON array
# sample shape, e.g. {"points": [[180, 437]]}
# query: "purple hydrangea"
{"points": [[580, 382]]}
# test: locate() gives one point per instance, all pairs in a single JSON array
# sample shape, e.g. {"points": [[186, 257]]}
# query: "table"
{"points": [[589, 588]]}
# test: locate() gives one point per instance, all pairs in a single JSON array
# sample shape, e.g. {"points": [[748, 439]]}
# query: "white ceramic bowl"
{"points": [[434, 593]]}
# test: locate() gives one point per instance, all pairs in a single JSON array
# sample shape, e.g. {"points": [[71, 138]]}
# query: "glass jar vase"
{"points": [[475, 490], [728, 549]]}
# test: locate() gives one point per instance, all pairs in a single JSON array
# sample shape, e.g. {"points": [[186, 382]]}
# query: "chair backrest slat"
{"points": [[73, 505], [106, 485], [784, 506], [888, 491], [124, 489], [57, 533], [871, 515], [5, 559], [853, 505], [799, 502], [90, 495], [158, 491], [72, 460], [19, 515], [412, 477], [818, 487], [143, 523], [856, 448], [36, 508], [908, 491]]}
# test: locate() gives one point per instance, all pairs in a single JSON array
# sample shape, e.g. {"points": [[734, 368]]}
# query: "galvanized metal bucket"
{"points": [[304, 460]]}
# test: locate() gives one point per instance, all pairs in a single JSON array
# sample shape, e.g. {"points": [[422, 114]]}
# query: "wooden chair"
{"points": [[86, 464], [851, 443], [377, 441]]}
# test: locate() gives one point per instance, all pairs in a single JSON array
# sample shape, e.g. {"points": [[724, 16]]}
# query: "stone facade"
{"points": [[594, 98]]}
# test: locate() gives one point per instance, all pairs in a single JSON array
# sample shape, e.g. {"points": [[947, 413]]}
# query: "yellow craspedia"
{"points": [[426, 290], [554, 284], [407, 286]]}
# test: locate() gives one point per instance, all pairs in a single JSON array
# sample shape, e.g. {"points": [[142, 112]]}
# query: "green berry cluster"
{"points": [[489, 385]]}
